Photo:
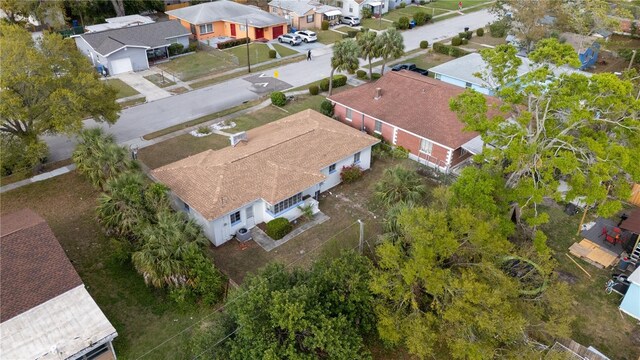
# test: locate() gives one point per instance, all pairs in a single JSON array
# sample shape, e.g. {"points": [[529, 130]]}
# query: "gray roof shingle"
{"points": [[224, 10], [147, 35]]}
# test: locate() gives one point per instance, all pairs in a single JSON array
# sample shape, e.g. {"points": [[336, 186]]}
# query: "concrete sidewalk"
{"points": [[143, 86]]}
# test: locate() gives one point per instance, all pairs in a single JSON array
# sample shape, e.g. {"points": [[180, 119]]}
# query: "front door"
{"points": [[233, 30], [250, 220], [259, 33]]}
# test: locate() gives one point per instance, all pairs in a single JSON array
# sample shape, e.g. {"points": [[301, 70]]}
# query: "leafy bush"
{"points": [[175, 49], [192, 47], [278, 228], [364, 29], [233, 42], [480, 32], [498, 29], [326, 108], [325, 25], [456, 52], [352, 33], [462, 35], [338, 80], [438, 47], [272, 54], [361, 74], [627, 54], [350, 174], [376, 76], [324, 84], [464, 41], [278, 98], [456, 41], [204, 130], [403, 23], [314, 90], [399, 152], [469, 35], [424, 44], [402, 5], [20, 157], [366, 13], [395, 25], [422, 2], [420, 18]]}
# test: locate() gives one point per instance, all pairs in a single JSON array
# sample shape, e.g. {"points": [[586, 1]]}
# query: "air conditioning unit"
{"points": [[236, 138]]}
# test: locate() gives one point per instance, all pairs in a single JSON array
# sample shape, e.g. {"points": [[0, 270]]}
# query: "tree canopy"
{"points": [[345, 58]]}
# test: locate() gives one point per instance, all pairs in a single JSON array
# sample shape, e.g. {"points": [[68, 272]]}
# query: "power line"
{"points": [[241, 294]]}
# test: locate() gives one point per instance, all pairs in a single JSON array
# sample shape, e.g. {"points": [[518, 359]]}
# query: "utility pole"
{"points": [[633, 57], [361, 242], [246, 32]]}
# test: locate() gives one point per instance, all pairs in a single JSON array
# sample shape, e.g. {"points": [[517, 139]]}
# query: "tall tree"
{"points": [[369, 48], [390, 45], [525, 18], [564, 127], [587, 16], [19, 11], [399, 184], [48, 87], [345, 58], [118, 6]]}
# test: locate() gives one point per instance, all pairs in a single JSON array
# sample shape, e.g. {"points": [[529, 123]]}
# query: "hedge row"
{"points": [[338, 80], [233, 42], [448, 50]]}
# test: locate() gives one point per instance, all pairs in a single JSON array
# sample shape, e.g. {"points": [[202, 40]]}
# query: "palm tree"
{"points": [[122, 208], [391, 226], [163, 260], [369, 48], [345, 58], [86, 150], [391, 45], [400, 184]]}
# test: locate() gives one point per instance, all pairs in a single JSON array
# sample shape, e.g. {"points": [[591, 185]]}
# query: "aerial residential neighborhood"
{"points": [[320, 179]]}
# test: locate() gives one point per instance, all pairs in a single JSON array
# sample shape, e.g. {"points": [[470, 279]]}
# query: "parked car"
{"points": [[350, 20], [291, 39], [307, 36], [410, 67]]}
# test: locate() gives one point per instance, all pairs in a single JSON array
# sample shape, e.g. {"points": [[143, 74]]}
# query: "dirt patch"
{"points": [[567, 277]]}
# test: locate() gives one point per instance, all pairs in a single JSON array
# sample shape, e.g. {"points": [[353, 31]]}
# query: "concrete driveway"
{"points": [[143, 86]]}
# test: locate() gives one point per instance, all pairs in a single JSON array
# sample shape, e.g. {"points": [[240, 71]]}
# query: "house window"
{"points": [[285, 204], [243, 28], [378, 128], [235, 218], [348, 114], [206, 28], [339, 4], [332, 168], [350, 10], [467, 85], [186, 207], [426, 146], [356, 158], [311, 18]]}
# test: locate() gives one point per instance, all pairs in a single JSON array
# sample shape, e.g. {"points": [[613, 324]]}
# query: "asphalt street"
{"points": [[139, 120]]}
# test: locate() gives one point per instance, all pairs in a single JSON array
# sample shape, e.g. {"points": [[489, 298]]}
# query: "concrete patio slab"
{"points": [[269, 244]]}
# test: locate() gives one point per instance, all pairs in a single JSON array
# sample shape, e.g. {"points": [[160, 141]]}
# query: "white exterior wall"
{"points": [[87, 50], [138, 58], [183, 40], [334, 179], [462, 84]]}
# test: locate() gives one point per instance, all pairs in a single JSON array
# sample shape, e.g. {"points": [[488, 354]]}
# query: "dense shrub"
{"points": [[192, 47], [325, 25], [338, 80], [278, 98], [278, 228], [376, 76], [395, 25], [448, 50], [422, 2], [364, 29], [352, 33], [627, 54], [233, 42], [424, 44], [403, 23], [350, 174], [324, 84], [456, 41], [326, 108], [498, 29], [273, 54], [366, 13], [480, 32], [361, 74], [314, 90], [469, 35], [402, 5], [399, 152], [464, 41], [462, 35], [420, 18], [175, 49], [20, 157]]}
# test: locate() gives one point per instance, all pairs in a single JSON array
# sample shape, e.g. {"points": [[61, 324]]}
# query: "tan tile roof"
{"points": [[410, 101], [34, 267], [280, 160]]}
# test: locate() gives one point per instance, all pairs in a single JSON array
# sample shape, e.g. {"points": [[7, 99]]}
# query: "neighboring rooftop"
{"points": [[119, 22], [147, 36], [302, 7], [279, 160], [225, 10], [579, 42], [410, 101]]}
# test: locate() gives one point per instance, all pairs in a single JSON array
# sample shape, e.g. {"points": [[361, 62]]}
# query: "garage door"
{"points": [[277, 31], [120, 66]]}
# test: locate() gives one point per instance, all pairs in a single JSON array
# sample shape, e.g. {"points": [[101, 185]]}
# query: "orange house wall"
{"points": [[223, 28]]}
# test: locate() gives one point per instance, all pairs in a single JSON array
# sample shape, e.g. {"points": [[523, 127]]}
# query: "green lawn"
{"points": [[453, 4], [200, 64], [284, 51], [179, 147], [431, 10], [123, 89], [429, 60], [133, 102], [345, 29], [396, 14], [159, 80], [257, 53], [445, 17], [328, 37], [143, 317], [375, 24]]}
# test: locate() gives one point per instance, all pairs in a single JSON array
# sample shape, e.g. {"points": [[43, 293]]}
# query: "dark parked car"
{"points": [[410, 67]]}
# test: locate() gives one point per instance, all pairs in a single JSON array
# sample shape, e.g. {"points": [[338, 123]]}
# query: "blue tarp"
{"points": [[631, 302]]}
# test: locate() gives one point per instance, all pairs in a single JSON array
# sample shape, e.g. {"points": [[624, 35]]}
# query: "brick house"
{"points": [[412, 111]]}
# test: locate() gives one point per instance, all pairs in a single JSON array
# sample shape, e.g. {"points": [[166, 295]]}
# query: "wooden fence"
{"points": [[635, 195]]}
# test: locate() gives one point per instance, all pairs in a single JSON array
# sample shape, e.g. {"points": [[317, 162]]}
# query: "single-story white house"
{"points": [[274, 170], [131, 48], [119, 22], [461, 72], [45, 310], [631, 301]]}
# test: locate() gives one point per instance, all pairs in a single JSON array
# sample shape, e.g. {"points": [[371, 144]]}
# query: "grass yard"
{"points": [[142, 316], [133, 102], [345, 29], [179, 147], [159, 80], [598, 321], [328, 36], [123, 89], [396, 14], [257, 53], [284, 51], [445, 17], [426, 61], [432, 10], [204, 62], [376, 24], [453, 4]]}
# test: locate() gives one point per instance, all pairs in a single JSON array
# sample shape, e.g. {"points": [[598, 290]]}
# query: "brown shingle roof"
{"points": [[34, 266], [280, 160], [416, 103]]}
